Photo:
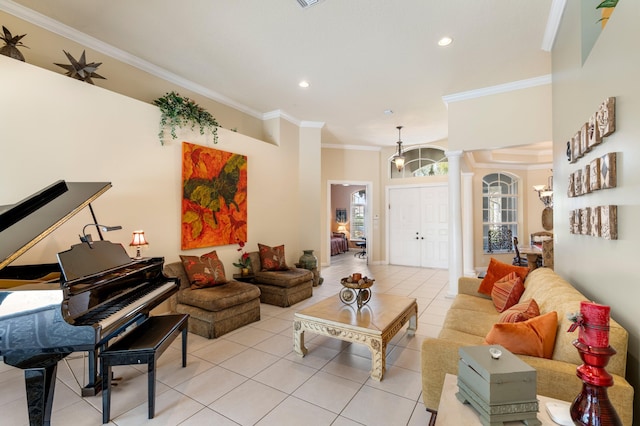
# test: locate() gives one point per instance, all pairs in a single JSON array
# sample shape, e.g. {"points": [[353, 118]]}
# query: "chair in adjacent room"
{"points": [[362, 245], [518, 260]]}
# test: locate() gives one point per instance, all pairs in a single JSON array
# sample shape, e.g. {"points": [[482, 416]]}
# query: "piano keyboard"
{"points": [[128, 307]]}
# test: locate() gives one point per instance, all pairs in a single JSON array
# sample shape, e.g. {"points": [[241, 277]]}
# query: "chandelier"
{"points": [[398, 159]]}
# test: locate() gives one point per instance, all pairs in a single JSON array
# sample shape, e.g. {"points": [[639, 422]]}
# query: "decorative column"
{"points": [[467, 224], [455, 221]]}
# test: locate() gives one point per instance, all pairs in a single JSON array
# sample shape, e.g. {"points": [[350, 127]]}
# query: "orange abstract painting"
{"points": [[214, 197]]}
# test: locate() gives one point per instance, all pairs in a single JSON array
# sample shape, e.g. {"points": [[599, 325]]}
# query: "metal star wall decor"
{"points": [[11, 42], [80, 70]]}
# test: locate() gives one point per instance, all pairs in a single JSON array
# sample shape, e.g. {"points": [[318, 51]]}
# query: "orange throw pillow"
{"points": [[520, 312], [535, 337], [506, 291], [497, 270]]}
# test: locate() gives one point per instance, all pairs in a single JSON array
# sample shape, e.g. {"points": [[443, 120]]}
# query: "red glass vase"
{"points": [[592, 406]]}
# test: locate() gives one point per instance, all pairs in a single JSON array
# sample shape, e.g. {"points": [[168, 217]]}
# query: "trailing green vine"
{"points": [[180, 111]]}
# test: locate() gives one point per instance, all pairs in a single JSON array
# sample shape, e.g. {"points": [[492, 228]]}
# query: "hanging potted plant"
{"points": [[179, 111]]}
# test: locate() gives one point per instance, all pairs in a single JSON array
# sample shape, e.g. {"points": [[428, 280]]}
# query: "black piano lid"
{"points": [[32, 219]]}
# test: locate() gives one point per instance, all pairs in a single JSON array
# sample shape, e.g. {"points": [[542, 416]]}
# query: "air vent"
{"points": [[307, 3]]}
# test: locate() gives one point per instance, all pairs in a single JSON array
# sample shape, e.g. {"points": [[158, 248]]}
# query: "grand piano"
{"points": [[94, 292]]}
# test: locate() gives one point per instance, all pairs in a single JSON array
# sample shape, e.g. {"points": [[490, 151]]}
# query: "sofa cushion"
{"points": [[204, 271], [286, 278], [535, 336], [219, 297], [272, 258], [506, 291], [520, 312], [497, 270], [471, 322], [474, 304]]}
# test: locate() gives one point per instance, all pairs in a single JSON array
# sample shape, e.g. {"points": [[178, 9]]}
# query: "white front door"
{"points": [[418, 226]]}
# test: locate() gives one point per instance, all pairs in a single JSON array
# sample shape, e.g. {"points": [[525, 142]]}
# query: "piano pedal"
{"points": [[115, 380]]}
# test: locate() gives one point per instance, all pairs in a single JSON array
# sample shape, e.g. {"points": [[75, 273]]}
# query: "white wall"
{"points": [[46, 49], [357, 167], [54, 127], [604, 270], [518, 117]]}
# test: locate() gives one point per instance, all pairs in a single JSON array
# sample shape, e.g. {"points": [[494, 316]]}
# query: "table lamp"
{"points": [[138, 240]]}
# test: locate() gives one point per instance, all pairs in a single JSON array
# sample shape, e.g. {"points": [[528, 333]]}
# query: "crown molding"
{"points": [[312, 124], [79, 37], [501, 88], [510, 166], [278, 113], [553, 24]]}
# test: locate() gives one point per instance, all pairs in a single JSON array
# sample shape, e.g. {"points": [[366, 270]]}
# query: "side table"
{"points": [[453, 412], [244, 278]]}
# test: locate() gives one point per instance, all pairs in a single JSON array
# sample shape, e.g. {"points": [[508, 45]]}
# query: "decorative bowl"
{"points": [[363, 282]]}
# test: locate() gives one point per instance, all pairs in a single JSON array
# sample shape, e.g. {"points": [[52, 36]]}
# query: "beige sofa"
{"points": [[472, 315]]}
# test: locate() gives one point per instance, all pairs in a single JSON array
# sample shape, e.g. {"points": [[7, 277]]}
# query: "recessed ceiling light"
{"points": [[304, 84], [445, 41]]}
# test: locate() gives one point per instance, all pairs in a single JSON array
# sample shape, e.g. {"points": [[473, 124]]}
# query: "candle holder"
{"points": [[592, 406]]}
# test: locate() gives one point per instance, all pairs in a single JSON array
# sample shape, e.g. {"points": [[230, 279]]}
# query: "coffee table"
{"points": [[373, 325]]}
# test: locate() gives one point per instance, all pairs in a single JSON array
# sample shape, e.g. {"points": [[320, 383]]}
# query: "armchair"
{"points": [[281, 288], [214, 310]]}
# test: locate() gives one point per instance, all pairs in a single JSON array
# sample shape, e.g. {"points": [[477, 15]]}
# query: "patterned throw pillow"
{"points": [[204, 271], [272, 258], [506, 291], [535, 337], [519, 312], [497, 270]]}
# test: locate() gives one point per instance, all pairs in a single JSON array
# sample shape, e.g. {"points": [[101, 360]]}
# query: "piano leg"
{"points": [[40, 386], [94, 384]]}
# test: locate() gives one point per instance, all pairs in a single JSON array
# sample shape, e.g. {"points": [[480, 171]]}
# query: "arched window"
{"points": [[421, 161], [358, 205], [499, 210]]}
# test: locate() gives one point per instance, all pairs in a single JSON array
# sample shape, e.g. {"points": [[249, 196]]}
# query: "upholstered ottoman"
{"points": [[281, 288], [215, 310]]}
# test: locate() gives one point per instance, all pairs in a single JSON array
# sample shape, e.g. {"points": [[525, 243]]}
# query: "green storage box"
{"points": [[502, 389]]}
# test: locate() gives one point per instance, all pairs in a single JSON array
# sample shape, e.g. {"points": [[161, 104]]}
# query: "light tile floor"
{"points": [[252, 376]]}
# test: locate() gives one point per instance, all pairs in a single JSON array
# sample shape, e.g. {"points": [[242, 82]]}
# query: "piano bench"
{"points": [[143, 345]]}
